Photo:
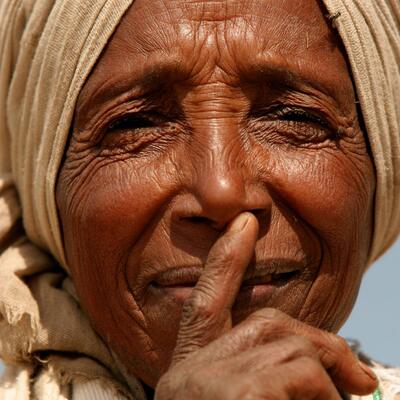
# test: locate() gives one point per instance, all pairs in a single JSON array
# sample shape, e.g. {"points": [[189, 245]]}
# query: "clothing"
{"points": [[389, 383], [48, 48], [47, 388]]}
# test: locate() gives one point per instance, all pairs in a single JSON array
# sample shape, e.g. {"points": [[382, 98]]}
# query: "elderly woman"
{"points": [[191, 192]]}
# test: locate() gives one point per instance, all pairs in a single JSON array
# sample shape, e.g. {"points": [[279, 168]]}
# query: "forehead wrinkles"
{"points": [[215, 11], [199, 33], [221, 32]]}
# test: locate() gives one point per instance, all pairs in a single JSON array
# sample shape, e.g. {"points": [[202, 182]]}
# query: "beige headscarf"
{"points": [[47, 49]]}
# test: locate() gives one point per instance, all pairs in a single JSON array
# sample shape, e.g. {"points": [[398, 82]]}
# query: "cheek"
{"points": [[331, 192], [109, 209], [108, 212]]}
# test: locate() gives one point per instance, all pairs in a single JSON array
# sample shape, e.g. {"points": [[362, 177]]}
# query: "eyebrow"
{"points": [[287, 73], [267, 69], [151, 79]]}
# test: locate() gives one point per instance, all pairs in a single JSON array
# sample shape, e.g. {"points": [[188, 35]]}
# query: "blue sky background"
{"points": [[375, 320]]}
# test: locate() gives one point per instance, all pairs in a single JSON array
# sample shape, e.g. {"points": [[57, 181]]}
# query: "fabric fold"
{"points": [[370, 31]]}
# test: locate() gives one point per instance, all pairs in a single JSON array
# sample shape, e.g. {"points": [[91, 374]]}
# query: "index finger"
{"points": [[206, 313]]}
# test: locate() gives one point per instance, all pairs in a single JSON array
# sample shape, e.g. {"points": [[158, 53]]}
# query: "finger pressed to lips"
{"points": [[207, 312]]}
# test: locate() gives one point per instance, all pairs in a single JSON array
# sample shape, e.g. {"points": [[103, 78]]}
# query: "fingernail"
{"points": [[368, 371], [239, 223]]}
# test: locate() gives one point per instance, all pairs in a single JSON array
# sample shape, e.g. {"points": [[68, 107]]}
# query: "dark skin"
{"points": [[216, 200]]}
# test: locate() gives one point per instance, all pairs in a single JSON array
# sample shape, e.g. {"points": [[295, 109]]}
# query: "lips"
{"points": [[269, 278], [260, 274], [259, 285]]}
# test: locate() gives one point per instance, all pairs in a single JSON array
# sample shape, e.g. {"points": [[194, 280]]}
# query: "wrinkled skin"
{"points": [[196, 113]]}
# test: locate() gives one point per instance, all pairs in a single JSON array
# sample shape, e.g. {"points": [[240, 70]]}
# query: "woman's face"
{"points": [[196, 112]]}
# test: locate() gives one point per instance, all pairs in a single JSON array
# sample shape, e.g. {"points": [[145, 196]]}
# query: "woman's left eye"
{"points": [[299, 115], [292, 125]]}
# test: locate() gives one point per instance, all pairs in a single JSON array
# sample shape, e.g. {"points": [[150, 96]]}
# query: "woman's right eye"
{"points": [[131, 123], [136, 133]]}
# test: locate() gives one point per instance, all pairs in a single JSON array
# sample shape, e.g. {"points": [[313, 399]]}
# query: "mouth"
{"points": [[259, 281], [272, 278]]}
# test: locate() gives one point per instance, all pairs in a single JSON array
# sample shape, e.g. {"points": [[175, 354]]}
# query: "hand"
{"points": [[267, 356]]}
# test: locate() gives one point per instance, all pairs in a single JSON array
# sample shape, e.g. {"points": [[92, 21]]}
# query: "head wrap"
{"points": [[48, 48]]}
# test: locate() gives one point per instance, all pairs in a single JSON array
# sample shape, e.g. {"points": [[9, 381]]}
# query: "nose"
{"points": [[224, 185], [222, 195]]}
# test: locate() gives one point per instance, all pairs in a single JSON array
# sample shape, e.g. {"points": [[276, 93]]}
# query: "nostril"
{"points": [[199, 220], [263, 218], [258, 212], [204, 221]]}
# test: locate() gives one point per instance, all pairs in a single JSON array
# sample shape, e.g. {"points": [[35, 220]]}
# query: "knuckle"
{"points": [[197, 307], [336, 350], [269, 314], [337, 356], [269, 323], [340, 345], [314, 374], [293, 348], [267, 318], [301, 346], [199, 322], [221, 254]]}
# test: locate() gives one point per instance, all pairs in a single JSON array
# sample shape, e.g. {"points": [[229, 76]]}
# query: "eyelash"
{"points": [[291, 124], [133, 122], [144, 120], [137, 133], [296, 124], [296, 114]]}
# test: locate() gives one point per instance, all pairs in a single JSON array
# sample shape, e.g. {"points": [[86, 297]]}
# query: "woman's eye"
{"points": [[135, 133], [292, 125], [132, 122], [299, 115]]}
